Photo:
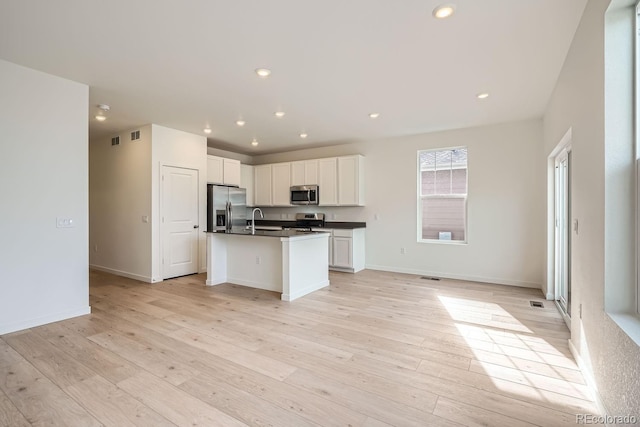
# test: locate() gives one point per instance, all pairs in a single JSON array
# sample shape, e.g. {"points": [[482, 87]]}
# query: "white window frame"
{"points": [[448, 196], [636, 119]]}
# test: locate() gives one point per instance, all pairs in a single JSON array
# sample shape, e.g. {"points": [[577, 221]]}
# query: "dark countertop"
{"points": [[327, 224], [346, 225], [268, 233]]}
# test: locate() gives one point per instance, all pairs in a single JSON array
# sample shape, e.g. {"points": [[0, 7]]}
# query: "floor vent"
{"points": [[430, 278], [536, 304]]}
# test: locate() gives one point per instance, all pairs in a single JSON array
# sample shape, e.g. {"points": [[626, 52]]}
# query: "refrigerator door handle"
{"points": [[226, 216], [230, 217]]}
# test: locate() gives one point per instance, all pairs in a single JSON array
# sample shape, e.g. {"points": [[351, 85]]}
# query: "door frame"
{"points": [[562, 148], [161, 211]]}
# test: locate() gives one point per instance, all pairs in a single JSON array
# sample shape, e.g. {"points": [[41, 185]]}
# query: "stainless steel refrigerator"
{"points": [[226, 208]]}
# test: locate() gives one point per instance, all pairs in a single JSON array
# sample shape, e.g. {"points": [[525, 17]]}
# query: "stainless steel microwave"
{"points": [[305, 195]]}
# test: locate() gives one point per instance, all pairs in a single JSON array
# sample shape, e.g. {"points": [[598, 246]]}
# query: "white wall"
{"points": [[172, 147], [246, 159], [119, 197], [43, 147], [125, 187], [505, 207], [600, 179]]}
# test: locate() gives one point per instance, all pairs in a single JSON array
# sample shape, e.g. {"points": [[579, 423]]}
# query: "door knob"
{"points": [[196, 226]]}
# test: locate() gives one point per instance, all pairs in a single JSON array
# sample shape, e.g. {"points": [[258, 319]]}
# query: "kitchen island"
{"points": [[290, 262]]}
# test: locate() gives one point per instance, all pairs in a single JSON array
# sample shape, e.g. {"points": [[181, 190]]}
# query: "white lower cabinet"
{"points": [[342, 252], [346, 249]]}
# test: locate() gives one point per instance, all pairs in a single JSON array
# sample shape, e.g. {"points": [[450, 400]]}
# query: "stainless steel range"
{"points": [[307, 221]]}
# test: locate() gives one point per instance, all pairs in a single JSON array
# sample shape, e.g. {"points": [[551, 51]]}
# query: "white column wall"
{"points": [[44, 150], [172, 147]]}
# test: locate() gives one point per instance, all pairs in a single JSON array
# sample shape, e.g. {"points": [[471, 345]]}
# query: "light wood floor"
{"points": [[374, 349]]}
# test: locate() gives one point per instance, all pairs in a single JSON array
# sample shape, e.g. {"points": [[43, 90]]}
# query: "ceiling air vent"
{"points": [[115, 140], [135, 135]]}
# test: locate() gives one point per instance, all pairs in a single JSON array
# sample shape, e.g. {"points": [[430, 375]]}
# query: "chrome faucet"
{"points": [[253, 219]]}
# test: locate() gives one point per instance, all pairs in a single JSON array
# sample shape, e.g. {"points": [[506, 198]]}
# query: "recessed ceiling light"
{"points": [[483, 95], [207, 130], [444, 11], [374, 115], [254, 142], [103, 109], [303, 135], [263, 72], [279, 114], [240, 122]]}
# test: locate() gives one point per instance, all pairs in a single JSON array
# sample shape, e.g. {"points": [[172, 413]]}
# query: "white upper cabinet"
{"points": [[231, 172], [247, 182], [262, 185], [328, 181], [340, 181], [215, 166], [223, 171], [351, 181], [281, 184], [304, 172]]}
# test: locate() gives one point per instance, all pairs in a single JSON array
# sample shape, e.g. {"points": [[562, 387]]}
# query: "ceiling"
{"points": [[190, 64]]}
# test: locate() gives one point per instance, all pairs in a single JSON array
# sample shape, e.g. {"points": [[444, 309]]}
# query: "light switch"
{"points": [[65, 222], [575, 226]]}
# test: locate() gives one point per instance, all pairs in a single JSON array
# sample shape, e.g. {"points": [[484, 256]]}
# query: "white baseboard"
{"points": [[550, 297], [215, 281], [586, 373], [253, 284], [481, 279], [43, 320], [146, 279], [305, 291]]}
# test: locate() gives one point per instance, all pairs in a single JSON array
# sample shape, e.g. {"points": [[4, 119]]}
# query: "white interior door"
{"points": [[179, 221]]}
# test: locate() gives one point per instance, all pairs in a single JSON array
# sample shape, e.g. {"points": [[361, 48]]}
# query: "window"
{"points": [[442, 195]]}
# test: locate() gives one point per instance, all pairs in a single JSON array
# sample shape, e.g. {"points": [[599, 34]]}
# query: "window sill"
{"points": [[443, 242], [629, 323]]}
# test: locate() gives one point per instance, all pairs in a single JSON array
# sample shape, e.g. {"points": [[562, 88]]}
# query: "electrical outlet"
{"points": [[258, 260], [401, 251], [145, 218]]}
